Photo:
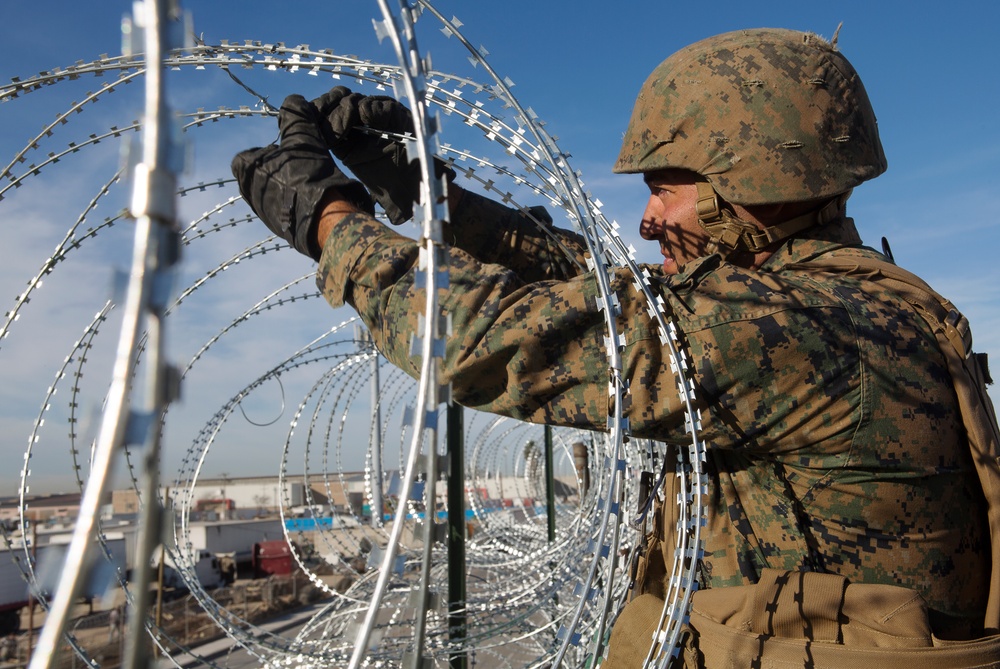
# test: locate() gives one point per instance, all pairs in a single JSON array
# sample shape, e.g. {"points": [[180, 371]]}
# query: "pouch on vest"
{"points": [[822, 621], [800, 619]]}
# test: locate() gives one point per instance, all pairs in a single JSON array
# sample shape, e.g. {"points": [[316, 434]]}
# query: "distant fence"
{"points": [[182, 619]]}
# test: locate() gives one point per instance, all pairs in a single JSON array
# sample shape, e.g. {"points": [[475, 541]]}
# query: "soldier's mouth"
{"points": [[669, 264]]}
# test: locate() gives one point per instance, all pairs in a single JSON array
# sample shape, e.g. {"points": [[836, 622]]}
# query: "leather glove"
{"points": [[285, 184], [380, 163]]}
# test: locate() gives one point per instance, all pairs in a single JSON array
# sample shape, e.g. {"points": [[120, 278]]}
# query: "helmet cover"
{"points": [[765, 115]]}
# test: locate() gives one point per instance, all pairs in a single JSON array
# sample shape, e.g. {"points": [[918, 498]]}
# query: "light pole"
{"points": [[376, 505], [225, 503]]}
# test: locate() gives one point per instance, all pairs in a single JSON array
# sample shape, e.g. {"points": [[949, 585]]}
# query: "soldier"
{"points": [[834, 436]]}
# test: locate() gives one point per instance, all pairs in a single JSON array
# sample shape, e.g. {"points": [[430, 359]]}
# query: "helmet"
{"points": [[765, 115]]}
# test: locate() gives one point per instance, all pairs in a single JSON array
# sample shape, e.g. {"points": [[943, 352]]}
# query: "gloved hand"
{"points": [[285, 184], [380, 163]]}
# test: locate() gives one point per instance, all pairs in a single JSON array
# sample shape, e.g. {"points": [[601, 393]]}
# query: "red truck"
{"points": [[272, 557]]}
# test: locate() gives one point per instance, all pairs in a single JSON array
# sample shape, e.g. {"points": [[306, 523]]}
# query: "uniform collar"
{"points": [[813, 242]]}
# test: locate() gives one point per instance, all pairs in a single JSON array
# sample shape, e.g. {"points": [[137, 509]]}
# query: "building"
{"points": [[243, 497], [59, 508]]}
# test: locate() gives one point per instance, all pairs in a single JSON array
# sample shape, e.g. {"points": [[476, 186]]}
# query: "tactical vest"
{"points": [[822, 620]]}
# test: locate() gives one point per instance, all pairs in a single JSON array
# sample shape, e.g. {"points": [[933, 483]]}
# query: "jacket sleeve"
{"points": [[532, 350], [523, 240]]}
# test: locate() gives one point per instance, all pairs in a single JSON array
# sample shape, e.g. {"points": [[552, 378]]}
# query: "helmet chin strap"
{"points": [[729, 233]]}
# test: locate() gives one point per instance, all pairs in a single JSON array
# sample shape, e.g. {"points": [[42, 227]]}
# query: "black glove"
{"points": [[285, 184], [380, 163]]}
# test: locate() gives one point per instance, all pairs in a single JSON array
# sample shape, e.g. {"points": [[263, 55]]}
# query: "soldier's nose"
{"points": [[651, 228], [651, 225]]}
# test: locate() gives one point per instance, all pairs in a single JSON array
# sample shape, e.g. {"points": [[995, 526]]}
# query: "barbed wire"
{"points": [[530, 601]]}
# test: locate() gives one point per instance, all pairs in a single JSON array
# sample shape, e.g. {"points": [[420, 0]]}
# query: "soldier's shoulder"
{"points": [[712, 289]]}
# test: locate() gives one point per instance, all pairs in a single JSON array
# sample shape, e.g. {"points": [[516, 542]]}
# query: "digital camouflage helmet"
{"points": [[765, 115]]}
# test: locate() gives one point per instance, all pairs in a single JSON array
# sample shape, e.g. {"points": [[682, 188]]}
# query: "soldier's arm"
{"points": [[525, 240], [531, 350]]}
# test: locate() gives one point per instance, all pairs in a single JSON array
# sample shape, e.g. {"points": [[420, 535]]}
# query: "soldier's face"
{"points": [[671, 218]]}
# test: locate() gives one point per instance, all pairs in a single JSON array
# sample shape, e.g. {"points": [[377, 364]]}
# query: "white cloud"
{"points": [[944, 231]]}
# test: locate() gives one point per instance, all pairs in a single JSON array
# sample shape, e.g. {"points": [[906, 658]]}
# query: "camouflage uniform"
{"points": [[835, 441]]}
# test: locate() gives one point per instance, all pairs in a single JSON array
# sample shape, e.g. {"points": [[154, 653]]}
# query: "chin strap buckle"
{"points": [[729, 233]]}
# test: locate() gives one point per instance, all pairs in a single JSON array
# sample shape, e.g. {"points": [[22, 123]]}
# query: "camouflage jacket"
{"points": [[834, 437]]}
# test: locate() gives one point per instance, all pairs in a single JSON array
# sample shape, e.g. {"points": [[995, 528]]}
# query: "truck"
{"points": [[207, 569], [47, 559], [272, 558]]}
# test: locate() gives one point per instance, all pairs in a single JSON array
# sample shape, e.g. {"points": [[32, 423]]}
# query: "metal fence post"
{"points": [[456, 536]]}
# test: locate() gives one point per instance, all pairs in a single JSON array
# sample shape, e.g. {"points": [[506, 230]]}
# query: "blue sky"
{"points": [[929, 68]]}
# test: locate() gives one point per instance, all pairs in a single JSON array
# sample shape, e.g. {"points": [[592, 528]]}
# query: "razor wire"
{"points": [[552, 612], [155, 253]]}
